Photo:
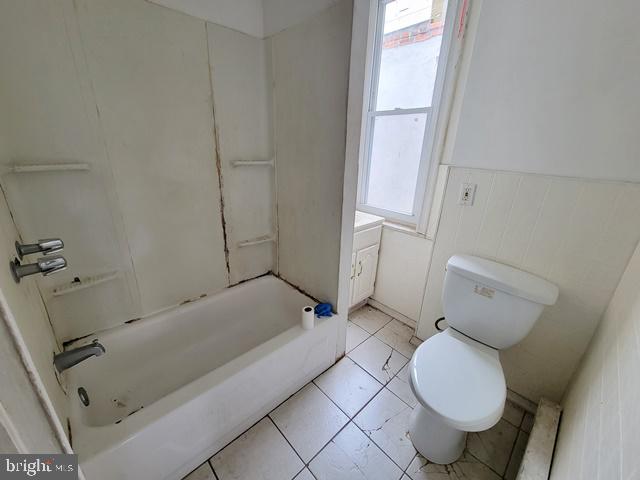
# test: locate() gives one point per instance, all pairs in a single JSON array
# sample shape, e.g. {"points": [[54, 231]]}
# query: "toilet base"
{"points": [[434, 439]]}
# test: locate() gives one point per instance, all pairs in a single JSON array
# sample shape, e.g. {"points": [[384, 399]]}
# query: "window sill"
{"points": [[399, 227]]}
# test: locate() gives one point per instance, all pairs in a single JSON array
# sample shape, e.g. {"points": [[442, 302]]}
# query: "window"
{"points": [[400, 122]]}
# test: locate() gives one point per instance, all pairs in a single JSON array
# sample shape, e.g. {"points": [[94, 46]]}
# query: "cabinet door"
{"points": [[352, 281], [366, 267]]}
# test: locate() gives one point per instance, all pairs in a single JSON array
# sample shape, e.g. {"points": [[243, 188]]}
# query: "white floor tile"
{"points": [[400, 386], [370, 318], [466, 468], [348, 385], [378, 358], [397, 335], [493, 447], [353, 456], [513, 414], [304, 475], [203, 472], [308, 420], [386, 420], [260, 452], [355, 336]]}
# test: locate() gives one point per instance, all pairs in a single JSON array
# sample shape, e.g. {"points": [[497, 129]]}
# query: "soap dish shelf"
{"points": [[81, 283], [256, 241], [252, 163], [51, 167]]}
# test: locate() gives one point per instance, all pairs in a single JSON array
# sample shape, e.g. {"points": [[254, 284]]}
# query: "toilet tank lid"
{"points": [[504, 278]]}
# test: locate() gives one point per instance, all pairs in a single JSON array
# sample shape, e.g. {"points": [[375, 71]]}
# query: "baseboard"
{"points": [[392, 313]]}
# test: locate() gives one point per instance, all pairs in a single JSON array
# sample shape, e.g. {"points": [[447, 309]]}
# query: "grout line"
{"points": [[215, 475], [287, 440]]}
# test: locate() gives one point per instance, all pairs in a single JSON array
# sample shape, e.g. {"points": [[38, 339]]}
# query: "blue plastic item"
{"points": [[323, 310]]}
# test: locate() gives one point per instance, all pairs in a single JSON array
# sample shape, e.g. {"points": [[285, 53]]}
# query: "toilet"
{"points": [[456, 375]]}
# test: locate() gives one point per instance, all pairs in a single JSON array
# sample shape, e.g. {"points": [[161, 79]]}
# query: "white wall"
{"points": [[243, 15], [579, 234], [259, 18], [282, 14], [598, 438], [126, 86], [403, 264], [311, 69], [552, 89]]}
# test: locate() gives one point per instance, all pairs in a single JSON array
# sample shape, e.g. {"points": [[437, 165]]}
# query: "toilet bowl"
{"points": [[456, 375]]}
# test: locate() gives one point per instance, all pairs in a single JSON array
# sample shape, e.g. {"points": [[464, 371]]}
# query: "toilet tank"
{"points": [[491, 302]]}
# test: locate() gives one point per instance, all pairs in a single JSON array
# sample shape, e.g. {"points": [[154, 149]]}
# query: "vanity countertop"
{"points": [[364, 221]]}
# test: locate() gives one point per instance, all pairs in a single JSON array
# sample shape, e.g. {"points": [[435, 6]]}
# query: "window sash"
{"points": [[372, 113]]}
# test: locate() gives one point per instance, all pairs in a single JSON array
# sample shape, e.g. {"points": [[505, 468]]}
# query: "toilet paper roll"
{"points": [[308, 317]]}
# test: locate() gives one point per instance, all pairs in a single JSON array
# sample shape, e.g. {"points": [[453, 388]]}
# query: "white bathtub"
{"points": [[174, 388]]}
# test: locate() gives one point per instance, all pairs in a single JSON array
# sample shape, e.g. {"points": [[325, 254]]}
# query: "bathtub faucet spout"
{"points": [[69, 358]]}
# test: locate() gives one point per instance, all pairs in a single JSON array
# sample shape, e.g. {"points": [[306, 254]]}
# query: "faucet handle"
{"points": [[51, 265], [46, 246]]}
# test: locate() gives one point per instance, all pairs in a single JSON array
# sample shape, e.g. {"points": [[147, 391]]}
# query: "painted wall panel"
{"points": [[598, 436], [579, 234], [311, 68], [402, 271], [558, 97]]}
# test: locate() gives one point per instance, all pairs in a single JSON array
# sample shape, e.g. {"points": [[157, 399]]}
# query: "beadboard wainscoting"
{"points": [[577, 233]]}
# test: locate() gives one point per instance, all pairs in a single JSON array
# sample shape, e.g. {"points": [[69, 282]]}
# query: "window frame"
{"points": [[428, 166]]}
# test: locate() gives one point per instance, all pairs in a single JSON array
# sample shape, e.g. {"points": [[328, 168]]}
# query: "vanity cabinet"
{"points": [[364, 277], [364, 258]]}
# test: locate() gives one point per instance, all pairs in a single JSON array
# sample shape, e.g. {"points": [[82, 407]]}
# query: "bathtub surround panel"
{"points": [[240, 82], [598, 435], [311, 70], [578, 234], [150, 73], [46, 107], [29, 312], [129, 90], [205, 402]]}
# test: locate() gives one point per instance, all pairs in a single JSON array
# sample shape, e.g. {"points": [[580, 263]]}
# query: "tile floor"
{"points": [[351, 422]]}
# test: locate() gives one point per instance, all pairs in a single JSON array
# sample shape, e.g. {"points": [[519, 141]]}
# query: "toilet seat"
{"points": [[460, 380]]}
